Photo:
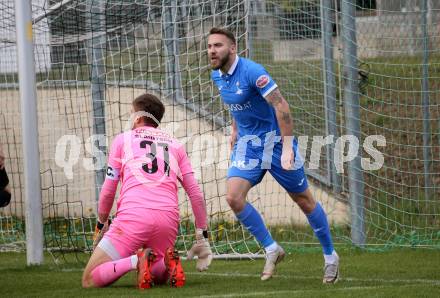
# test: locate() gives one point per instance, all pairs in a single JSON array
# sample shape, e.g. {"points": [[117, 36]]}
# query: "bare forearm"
{"points": [[285, 122], [282, 110], [233, 126], [233, 136]]}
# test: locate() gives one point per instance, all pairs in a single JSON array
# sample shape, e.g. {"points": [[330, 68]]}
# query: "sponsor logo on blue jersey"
{"points": [[243, 89]]}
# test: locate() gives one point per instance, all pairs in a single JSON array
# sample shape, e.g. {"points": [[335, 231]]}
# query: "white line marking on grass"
{"points": [[71, 270], [318, 278], [292, 292], [237, 274]]}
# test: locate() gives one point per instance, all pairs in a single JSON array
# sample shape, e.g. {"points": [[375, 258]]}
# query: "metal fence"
{"points": [[349, 69], [363, 68]]}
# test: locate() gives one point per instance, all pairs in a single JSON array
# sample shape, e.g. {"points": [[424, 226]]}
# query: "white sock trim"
{"points": [[271, 248], [331, 259]]}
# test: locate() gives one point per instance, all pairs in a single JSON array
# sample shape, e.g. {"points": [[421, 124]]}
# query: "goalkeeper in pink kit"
{"points": [[148, 162]]}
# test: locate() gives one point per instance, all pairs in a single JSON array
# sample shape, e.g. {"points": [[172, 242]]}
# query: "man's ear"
{"points": [[234, 47], [138, 119]]}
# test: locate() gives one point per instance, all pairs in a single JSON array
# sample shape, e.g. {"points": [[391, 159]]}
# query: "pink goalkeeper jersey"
{"points": [[148, 162]]}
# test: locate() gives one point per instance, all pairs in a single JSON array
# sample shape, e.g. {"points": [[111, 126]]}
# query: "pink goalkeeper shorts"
{"points": [[136, 228]]}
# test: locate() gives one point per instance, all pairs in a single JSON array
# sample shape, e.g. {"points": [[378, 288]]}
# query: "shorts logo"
{"points": [[262, 81], [238, 164]]}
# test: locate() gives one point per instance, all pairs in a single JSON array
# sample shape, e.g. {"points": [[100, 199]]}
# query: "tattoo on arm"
{"points": [[275, 97], [286, 117]]}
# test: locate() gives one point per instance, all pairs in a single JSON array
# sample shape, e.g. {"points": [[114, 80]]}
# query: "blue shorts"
{"points": [[255, 165]]}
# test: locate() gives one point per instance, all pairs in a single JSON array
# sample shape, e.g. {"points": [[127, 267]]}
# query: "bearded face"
{"points": [[221, 51]]}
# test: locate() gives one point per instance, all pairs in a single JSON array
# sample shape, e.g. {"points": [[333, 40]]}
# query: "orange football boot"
{"points": [[175, 269], [146, 258]]}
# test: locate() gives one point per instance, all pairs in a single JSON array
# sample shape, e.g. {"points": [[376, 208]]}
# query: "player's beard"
{"points": [[222, 63]]}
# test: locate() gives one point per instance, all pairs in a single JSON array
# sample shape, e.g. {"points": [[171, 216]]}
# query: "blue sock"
{"points": [[319, 224], [252, 220]]}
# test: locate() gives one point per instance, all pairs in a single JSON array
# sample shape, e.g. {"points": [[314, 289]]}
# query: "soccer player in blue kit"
{"points": [[262, 140]]}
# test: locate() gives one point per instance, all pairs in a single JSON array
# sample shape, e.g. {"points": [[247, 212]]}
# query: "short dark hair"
{"points": [[223, 31], [151, 104]]}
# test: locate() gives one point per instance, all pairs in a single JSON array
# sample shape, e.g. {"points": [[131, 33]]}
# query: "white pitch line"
{"points": [[71, 269], [292, 292], [236, 274], [318, 278]]}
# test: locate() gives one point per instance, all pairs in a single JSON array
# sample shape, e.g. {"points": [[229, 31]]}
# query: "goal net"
{"points": [[94, 57]]}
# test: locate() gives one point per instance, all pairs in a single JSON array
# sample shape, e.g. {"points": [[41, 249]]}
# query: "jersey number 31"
{"points": [[153, 167]]}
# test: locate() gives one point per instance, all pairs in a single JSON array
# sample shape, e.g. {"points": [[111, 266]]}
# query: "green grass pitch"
{"points": [[391, 273]]}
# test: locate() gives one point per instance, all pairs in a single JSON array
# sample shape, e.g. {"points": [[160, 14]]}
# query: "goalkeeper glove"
{"points": [[202, 250], [100, 230]]}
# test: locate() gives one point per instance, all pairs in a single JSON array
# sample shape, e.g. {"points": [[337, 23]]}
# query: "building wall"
{"points": [[387, 35], [390, 6]]}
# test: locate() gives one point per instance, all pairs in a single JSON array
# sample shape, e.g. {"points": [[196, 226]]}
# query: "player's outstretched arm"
{"points": [[106, 198], [285, 123], [201, 247], [108, 191]]}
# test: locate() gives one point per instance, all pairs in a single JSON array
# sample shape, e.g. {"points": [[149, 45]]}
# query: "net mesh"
{"points": [[94, 57]]}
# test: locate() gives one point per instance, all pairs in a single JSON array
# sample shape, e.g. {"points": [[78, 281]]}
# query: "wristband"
{"points": [[99, 225]]}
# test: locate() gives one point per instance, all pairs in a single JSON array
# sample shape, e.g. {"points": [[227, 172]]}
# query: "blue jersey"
{"points": [[243, 89]]}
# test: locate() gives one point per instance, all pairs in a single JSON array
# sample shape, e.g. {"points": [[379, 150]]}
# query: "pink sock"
{"points": [[107, 273], [159, 272]]}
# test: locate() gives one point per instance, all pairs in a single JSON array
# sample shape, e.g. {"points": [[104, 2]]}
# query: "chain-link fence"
{"points": [[357, 76], [367, 69]]}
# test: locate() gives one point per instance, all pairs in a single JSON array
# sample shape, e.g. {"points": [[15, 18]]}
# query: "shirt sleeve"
{"points": [[114, 159], [198, 204], [107, 196], [260, 79], [110, 185], [184, 162]]}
